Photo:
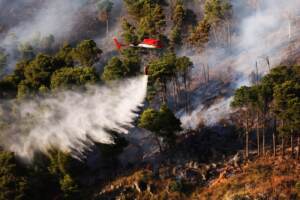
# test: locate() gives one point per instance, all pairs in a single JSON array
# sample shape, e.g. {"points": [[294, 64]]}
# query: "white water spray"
{"points": [[71, 121]]}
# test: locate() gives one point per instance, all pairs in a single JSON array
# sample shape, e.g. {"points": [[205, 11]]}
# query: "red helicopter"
{"points": [[148, 43]]}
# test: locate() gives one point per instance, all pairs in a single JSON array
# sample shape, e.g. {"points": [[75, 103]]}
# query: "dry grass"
{"points": [[266, 177]]}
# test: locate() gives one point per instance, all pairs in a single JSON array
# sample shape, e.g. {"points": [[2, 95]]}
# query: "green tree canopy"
{"points": [[3, 60], [8, 87], [183, 64], [178, 13], [114, 70], [162, 68], [149, 121], [200, 35], [152, 24], [69, 188], [27, 51], [38, 72], [69, 77], [131, 61], [244, 97], [117, 68], [12, 184], [287, 105], [217, 10], [105, 6], [139, 8], [162, 123], [129, 32], [87, 53], [65, 56]]}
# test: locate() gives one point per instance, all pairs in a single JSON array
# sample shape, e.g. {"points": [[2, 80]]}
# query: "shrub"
{"points": [[297, 186], [176, 186]]}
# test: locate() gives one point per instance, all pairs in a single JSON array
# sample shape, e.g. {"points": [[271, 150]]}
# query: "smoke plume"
{"points": [[264, 31], [71, 121], [66, 20]]}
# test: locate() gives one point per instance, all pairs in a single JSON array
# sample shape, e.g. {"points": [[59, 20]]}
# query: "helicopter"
{"points": [[148, 43]]}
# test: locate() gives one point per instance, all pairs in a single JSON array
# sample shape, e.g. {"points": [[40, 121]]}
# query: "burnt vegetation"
{"points": [[257, 142]]}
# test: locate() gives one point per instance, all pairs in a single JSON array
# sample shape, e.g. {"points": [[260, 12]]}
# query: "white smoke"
{"points": [[56, 17], [49, 17], [71, 121], [267, 32], [208, 116]]}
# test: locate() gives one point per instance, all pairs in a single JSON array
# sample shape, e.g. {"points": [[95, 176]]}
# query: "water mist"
{"points": [[71, 121]]}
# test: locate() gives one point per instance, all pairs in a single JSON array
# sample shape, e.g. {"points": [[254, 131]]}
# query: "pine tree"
{"points": [[105, 7]]}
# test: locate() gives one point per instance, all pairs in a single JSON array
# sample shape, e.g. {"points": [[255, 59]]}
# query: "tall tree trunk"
{"points": [[298, 150], [283, 146], [158, 143], [229, 34], [247, 138], [208, 73], [274, 137], [268, 62], [247, 144], [164, 91], [107, 27], [274, 144], [175, 95], [292, 145], [257, 134], [178, 90], [215, 34], [263, 137], [282, 140], [258, 141], [189, 88], [204, 74], [186, 93]]}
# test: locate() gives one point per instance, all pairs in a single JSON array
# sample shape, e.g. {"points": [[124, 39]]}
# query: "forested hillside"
{"points": [[149, 99]]}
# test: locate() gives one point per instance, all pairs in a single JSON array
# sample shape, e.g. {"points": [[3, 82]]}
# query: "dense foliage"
{"points": [[44, 72], [270, 108], [57, 175], [272, 103], [163, 123], [128, 64]]}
